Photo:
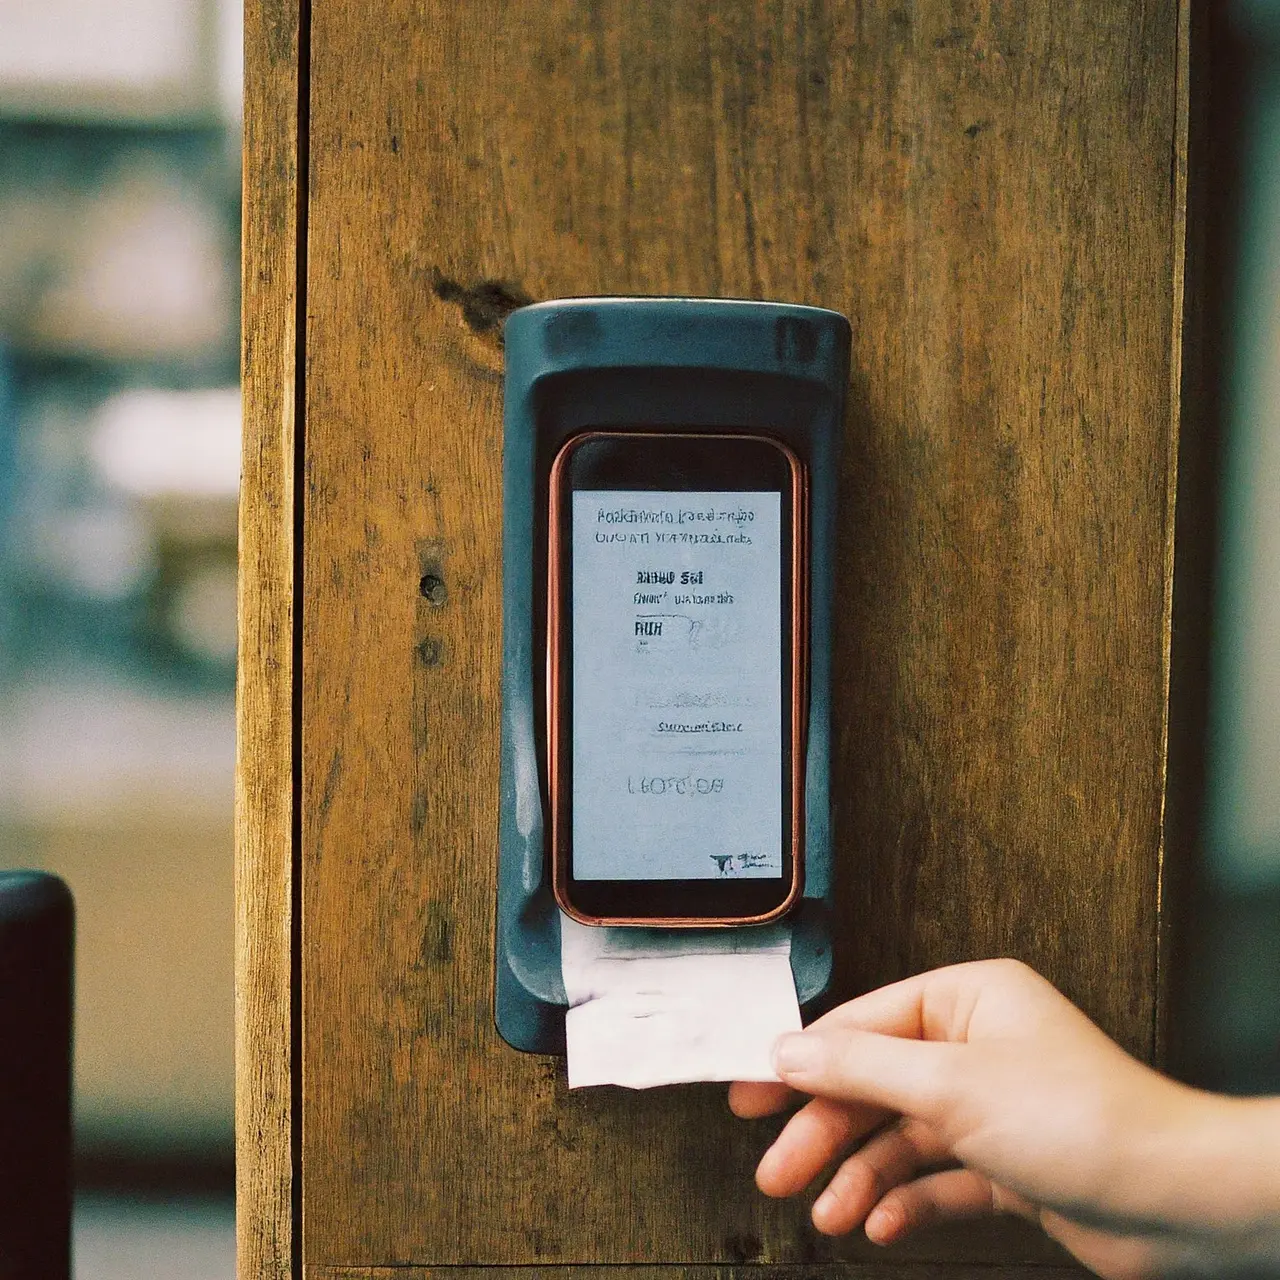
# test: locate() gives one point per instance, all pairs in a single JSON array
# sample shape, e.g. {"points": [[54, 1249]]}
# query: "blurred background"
{"points": [[1224, 763], [120, 127]]}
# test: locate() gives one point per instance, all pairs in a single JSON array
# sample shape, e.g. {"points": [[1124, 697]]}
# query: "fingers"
{"points": [[938, 1197], [819, 1132], [891, 1157], [877, 1184], [751, 1099], [914, 1077]]}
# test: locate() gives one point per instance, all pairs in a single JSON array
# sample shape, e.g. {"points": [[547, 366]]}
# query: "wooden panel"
{"points": [[264, 697], [988, 195], [827, 1271], [1009, 507]]}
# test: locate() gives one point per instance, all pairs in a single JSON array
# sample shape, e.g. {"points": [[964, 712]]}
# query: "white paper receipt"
{"points": [[650, 1007]]}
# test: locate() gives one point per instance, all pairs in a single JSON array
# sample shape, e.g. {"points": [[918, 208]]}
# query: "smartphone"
{"points": [[676, 676]]}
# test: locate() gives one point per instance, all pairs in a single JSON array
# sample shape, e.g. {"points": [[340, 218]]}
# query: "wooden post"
{"points": [[995, 197]]}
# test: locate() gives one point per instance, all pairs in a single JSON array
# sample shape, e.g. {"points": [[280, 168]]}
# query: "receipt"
{"points": [[654, 1006]]}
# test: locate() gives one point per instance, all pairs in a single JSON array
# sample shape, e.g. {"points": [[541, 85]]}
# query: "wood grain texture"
{"points": [[264, 696], [990, 196], [826, 1271]]}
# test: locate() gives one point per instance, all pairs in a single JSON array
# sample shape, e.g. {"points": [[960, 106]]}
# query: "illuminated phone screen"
{"points": [[677, 634]]}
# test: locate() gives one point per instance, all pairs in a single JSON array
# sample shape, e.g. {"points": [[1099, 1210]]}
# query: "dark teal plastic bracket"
{"points": [[625, 362]]}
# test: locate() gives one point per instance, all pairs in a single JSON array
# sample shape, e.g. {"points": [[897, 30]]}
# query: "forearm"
{"points": [[1222, 1185]]}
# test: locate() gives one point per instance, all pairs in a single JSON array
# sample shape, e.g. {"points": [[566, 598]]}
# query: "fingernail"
{"points": [[796, 1054], [880, 1225], [824, 1205]]}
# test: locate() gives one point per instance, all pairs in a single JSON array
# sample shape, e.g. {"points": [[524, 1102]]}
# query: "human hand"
{"points": [[979, 1089]]}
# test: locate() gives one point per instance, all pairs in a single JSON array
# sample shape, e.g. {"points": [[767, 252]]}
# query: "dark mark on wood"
{"points": [[484, 305], [743, 1247], [430, 652], [437, 936], [330, 783], [418, 813], [432, 589]]}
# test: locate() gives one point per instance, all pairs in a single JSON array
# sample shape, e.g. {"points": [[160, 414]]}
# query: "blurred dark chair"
{"points": [[37, 940]]}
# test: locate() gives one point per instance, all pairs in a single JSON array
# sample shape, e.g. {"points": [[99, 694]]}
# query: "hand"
{"points": [[979, 1089]]}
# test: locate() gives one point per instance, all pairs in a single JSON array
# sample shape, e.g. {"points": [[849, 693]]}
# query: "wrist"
{"points": [[1224, 1165]]}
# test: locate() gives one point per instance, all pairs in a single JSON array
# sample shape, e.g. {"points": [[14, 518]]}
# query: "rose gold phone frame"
{"points": [[558, 732]]}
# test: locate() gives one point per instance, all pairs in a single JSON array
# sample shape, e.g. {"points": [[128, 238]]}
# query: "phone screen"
{"points": [[677, 684], [676, 676]]}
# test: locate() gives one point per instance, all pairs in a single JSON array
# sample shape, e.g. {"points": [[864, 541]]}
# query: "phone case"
{"points": [[556, 594]]}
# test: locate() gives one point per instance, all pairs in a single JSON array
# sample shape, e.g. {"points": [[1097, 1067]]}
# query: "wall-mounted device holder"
{"points": [[649, 365]]}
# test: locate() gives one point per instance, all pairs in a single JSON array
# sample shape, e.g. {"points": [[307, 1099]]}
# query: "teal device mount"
{"points": [[612, 363]]}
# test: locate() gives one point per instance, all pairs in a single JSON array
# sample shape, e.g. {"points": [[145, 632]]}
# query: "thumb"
{"points": [[914, 1077]]}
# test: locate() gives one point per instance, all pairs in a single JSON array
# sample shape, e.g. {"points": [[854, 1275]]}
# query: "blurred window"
{"points": [[119, 469]]}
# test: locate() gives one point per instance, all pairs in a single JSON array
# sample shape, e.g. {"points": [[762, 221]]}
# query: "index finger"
{"points": [[895, 1010]]}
